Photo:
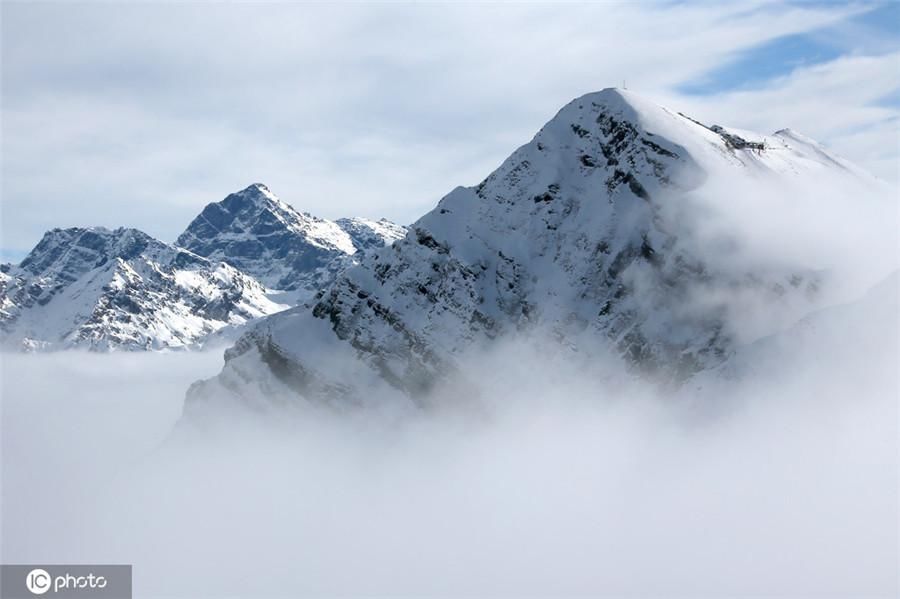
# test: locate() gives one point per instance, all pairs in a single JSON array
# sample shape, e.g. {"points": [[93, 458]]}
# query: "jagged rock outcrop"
{"points": [[102, 289], [257, 233], [122, 289]]}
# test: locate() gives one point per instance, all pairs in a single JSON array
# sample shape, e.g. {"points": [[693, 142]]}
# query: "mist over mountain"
{"points": [[777, 478], [646, 356], [622, 229], [636, 342]]}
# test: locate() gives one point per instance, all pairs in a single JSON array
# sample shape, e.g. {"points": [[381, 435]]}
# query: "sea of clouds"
{"points": [[778, 477]]}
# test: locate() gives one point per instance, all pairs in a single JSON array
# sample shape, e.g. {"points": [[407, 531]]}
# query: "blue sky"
{"points": [[139, 114], [874, 30]]}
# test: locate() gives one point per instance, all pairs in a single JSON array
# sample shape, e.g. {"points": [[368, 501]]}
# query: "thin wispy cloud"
{"points": [[140, 114]]}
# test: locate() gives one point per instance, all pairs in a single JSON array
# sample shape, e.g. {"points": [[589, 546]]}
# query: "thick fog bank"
{"points": [[781, 480], [71, 423]]}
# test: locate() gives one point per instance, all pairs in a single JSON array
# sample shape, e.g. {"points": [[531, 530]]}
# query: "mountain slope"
{"points": [[257, 233], [587, 235], [99, 289]]}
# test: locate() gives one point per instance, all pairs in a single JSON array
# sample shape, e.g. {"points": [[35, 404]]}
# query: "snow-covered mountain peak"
{"points": [[121, 288], [256, 232], [587, 234], [615, 101], [105, 289], [256, 210], [72, 251], [251, 203], [618, 118], [263, 190]]}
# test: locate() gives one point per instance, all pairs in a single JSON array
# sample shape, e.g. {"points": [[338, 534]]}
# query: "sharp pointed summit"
{"points": [[245, 257], [257, 233]]}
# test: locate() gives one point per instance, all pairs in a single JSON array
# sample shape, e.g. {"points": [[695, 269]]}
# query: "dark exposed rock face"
{"points": [[259, 234]]}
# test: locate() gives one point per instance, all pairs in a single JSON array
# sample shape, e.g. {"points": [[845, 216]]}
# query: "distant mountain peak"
{"points": [[254, 202], [258, 233], [75, 249], [102, 289], [253, 195], [120, 288]]}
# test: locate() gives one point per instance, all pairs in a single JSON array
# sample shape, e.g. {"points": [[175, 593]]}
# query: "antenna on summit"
{"points": [[623, 84]]}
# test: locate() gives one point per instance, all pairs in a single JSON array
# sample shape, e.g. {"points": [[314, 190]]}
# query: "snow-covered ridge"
{"points": [[584, 235], [104, 289], [122, 289]]}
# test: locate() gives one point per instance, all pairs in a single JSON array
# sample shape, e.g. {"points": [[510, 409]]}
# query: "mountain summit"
{"points": [[259, 234], [122, 289], [585, 235]]}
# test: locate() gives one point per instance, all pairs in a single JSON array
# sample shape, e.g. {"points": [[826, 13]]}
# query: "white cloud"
{"points": [[140, 114], [780, 483], [835, 102]]}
